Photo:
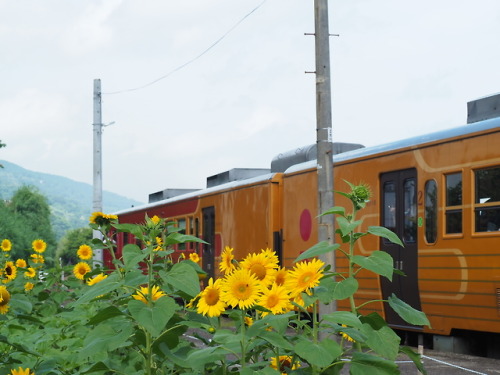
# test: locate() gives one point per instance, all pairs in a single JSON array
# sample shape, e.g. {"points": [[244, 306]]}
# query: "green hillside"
{"points": [[70, 201]]}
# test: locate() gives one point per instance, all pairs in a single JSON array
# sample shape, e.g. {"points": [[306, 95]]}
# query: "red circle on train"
{"points": [[305, 224]]}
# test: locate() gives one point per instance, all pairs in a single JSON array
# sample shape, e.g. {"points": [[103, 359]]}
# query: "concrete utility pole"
{"points": [[324, 134], [97, 156]]}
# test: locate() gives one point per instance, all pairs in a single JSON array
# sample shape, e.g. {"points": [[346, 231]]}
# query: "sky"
{"points": [[198, 87]]}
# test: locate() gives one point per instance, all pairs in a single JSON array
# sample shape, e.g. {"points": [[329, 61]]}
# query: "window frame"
{"points": [[450, 209], [477, 206]]}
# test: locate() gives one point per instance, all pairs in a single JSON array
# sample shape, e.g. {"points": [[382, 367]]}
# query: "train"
{"points": [[439, 192]]}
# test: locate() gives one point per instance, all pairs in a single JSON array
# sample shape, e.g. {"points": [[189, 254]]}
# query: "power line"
{"points": [[192, 60]]}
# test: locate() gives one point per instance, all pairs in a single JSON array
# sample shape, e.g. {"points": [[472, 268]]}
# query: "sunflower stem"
{"points": [[243, 339]]}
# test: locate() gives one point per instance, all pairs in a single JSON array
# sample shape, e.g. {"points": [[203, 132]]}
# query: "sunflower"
{"points": [[80, 270], [276, 299], [28, 286], [39, 246], [10, 271], [271, 254], [100, 218], [284, 363], [260, 265], [210, 303], [345, 336], [241, 289], [155, 219], [194, 257], [248, 321], [279, 275], [304, 276], [300, 301], [96, 279], [20, 371], [84, 252], [159, 243], [6, 245], [37, 258], [30, 273], [21, 263], [4, 299], [142, 295], [226, 264]]}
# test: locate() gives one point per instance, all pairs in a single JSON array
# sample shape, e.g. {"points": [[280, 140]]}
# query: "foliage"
{"points": [[67, 246], [24, 219], [2, 145], [257, 319]]}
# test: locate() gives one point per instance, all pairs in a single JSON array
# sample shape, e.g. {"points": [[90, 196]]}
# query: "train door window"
{"points": [[410, 210], [431, 211], [181, 225], [453, 203], [487, 199], [390, 206]]}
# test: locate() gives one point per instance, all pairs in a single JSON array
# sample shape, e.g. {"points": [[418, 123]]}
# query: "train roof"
{"points": [[207, 191], [413, 142]]}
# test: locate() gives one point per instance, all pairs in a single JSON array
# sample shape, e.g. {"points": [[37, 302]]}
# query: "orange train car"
{"points": [[439, 192]]}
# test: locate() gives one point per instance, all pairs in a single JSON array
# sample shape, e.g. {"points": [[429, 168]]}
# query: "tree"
{"points": [[27, 218], [2, 145], [69, 244]]}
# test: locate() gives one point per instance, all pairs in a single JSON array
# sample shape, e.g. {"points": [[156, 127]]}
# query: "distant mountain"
{"points": [[70, 201]]}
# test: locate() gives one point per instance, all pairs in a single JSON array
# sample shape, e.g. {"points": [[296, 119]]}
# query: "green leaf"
{"points": [[99, 366], [383, 341], [345, 288], [408, 313], [104, 338], [135, 277], [318, 249], [132, 255], [105, 286], [154, 318], [363, 364], [135, 229], [275, 339], [329, 289], [347, 226], [182, 277], [334, 211], [21, 302], [321, 354], [344, 317], [107, 313], [379, 262], [175, 237], [385, 233], [415, 357]]}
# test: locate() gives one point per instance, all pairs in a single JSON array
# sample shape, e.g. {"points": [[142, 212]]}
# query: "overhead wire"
{"points": [[189, 61]]}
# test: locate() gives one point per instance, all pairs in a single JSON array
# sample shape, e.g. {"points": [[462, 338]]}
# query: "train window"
{"points": [[487, 199], [454, 203], [410, 210], [390, 206], [181, 224], [431, 211]]}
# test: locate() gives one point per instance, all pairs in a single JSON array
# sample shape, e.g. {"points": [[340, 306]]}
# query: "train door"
{"points": [[208, 256], [399, 214]]}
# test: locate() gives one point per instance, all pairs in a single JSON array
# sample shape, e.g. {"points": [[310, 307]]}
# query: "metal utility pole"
{"points": [[324, 134], [97, 156]]}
